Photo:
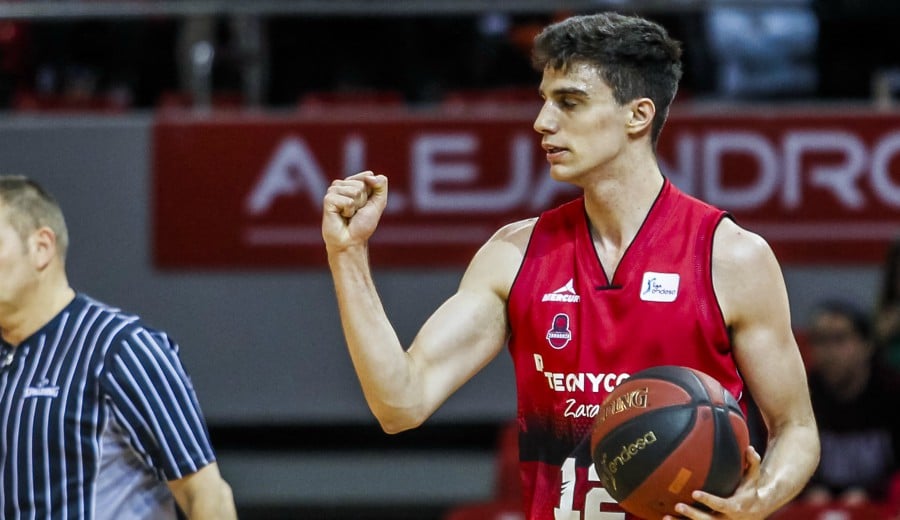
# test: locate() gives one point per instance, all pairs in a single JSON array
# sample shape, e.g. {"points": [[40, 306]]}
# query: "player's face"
{"points": [[17, 271], [582, 126]]}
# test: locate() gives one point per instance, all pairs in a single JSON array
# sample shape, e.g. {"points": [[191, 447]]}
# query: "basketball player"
{"points": [[634, 273], [97, 417]]}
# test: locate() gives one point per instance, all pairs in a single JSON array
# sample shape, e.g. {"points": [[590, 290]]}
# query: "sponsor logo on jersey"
{"points": [[565, 294], [660, 287], [42, 389], [592, 382], [559, 334]]}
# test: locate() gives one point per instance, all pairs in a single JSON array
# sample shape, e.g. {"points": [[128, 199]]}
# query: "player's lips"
{"points": [[553, 152]]}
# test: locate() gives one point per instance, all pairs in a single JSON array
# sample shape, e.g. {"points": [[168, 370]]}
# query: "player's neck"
{"points": [[20, 320], [617, 206], [616, 209]]}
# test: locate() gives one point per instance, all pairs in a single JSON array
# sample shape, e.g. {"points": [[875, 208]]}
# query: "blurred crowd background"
{"points": [[95, 54]]}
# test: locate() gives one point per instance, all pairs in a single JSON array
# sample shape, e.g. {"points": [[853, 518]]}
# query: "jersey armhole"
{"points": [[712, 222]]}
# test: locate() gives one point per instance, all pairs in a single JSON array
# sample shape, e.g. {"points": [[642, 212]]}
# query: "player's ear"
{"points": [[640, 116], [42, 246]]}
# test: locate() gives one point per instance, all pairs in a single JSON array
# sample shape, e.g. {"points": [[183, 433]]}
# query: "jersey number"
{"points": [[592, 499]]}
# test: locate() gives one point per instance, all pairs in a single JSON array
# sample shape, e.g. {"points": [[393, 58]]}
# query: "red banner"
{"points": [[245, 192]]}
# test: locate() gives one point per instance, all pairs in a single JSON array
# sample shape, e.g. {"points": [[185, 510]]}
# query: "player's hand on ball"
{"points": [[743, 504], [352, 208]]}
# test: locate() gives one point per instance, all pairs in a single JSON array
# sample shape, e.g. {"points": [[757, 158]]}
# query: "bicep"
{"points": [[463, 336], [471, 327], [754, 300]]}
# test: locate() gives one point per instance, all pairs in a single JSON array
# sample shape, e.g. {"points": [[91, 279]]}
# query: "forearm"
{"points": [[380, 361], [791, 458]]}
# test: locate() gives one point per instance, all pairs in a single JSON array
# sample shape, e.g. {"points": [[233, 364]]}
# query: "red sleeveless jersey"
{"points": [[576, 334]]}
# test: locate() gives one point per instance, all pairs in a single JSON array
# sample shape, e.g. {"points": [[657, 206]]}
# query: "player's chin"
{"points": [[561, 172]]}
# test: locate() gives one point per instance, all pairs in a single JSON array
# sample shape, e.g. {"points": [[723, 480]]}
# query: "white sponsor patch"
{"points": [[660, 287]]}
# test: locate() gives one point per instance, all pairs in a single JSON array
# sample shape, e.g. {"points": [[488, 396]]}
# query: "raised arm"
{"points": [[403, 387], [754, 301]]}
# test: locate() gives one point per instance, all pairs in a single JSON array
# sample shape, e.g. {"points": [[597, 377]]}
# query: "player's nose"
{"points": [[546, 122]]}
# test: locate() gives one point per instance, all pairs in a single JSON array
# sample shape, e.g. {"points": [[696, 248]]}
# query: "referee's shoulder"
{"points": [[130, 330]]}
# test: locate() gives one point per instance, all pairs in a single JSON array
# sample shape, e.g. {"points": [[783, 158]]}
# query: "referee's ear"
{"points": [[42, 247]]}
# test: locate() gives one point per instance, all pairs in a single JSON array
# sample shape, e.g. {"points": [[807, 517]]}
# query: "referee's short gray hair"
{"points": [[32, 207]]}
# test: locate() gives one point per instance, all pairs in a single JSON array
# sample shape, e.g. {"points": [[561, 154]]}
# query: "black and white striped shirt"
{"points": [[96, 413]]}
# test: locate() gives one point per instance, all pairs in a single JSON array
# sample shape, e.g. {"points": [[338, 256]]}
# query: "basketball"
{"points": [[665, 432]]}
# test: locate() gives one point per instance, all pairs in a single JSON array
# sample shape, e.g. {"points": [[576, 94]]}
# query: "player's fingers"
{"points": [[361, 176], [339, 203], [711, 501], [686, 511], [752, 471], [348, 194], [348, 188], [723, 505], [754, 459], [355, 196], [378, 186]]}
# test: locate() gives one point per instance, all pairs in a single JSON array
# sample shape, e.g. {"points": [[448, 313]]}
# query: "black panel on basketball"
{"points": [[726, 466], [632, 439]]}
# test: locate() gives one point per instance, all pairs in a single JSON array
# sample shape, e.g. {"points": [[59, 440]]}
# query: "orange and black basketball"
{"points": [[665, 432]]}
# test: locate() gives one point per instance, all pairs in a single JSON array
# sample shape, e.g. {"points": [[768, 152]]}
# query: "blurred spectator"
{"points": [[855, 401], [887, 309], [857, 42], [95, 63], [763, 52]]}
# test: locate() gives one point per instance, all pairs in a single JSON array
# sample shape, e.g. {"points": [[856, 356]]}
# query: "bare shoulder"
{"points": [[746, 275], [516, 234], [497, 262], [735, 248]]}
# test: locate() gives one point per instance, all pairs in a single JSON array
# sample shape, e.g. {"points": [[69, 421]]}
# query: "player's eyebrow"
{"points": [[569, 91]]}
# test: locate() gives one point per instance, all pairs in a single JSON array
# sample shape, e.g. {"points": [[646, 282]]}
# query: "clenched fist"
{"points": [[351, 210]]}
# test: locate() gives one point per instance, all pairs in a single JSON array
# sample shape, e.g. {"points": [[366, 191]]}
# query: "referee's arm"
{"points": [[204, 495]]}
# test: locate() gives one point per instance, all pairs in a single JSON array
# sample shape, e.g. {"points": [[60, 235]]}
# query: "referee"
{"points": [[98, 419]]}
